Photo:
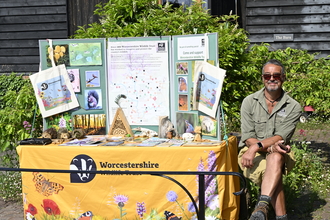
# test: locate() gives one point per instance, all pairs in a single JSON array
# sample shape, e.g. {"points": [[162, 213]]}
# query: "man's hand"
{"points": [[280, 148], [248, 156]]}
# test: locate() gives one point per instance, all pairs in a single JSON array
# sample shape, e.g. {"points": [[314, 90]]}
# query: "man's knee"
{"points": [[275, 158]]}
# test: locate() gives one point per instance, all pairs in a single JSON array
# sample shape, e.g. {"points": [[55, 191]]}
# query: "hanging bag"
{"points": [[53, 89]]}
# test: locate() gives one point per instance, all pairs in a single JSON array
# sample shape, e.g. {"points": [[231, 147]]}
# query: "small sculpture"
{"points": [[170, 133], [188, 137], [78, 133], [49, 133], [198, 132], [63, 133]]}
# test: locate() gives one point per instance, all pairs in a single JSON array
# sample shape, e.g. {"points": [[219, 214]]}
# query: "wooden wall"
{"points": [[24, 22], [81, 12], [298, 24]]}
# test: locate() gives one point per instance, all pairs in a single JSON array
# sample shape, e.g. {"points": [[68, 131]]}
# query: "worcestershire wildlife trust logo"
{"points": [[82, 163], [161, 47]]}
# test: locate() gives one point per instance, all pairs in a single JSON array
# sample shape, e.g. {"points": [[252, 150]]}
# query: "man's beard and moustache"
{"points": [[272, 88]]}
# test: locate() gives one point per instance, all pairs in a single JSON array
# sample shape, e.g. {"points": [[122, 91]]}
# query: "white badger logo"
{"points": [[82, 163]]}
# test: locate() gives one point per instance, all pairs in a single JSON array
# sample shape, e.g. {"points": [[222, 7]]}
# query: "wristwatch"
{"points": [[260, 145]]}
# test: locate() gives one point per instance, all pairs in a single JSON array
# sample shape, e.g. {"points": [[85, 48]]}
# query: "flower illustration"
{"points": [[140, 208], [171, 196], [210, 218], [50, 207], [31, 209], [191, 207], [121, 200], [214, 202]]}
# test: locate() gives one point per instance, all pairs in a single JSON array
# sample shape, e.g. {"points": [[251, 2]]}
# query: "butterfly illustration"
{"points": [[171, 216], [44, 187], [86, 216]]}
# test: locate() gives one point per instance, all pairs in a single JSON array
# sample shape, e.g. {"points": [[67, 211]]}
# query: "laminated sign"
{"points": [[53, 89]]}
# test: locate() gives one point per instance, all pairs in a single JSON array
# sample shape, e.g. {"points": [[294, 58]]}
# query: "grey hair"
{"points": [[275, 62]]}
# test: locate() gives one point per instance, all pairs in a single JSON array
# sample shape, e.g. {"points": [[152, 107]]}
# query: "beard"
{"points": [[272, 86]]}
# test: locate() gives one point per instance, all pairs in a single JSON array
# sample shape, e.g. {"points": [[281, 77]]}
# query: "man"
{"points": [[268, 121]]}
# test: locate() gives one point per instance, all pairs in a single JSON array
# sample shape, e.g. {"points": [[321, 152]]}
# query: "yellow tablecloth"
{"points": [[67, 196]]}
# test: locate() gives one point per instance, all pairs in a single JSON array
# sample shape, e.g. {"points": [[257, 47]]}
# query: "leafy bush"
{"points": [[308, 79], [19, 114]]}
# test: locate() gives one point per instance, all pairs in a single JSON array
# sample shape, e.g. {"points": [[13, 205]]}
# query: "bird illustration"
{"points": [[86, 216], [90, 80], [189, 127]]}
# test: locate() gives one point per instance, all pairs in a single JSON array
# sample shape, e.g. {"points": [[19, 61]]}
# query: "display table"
{"points": [[67, 196]]}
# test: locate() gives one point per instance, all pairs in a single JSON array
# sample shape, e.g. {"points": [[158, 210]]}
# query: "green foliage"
{"points": [[17, 117], [18, 114], [308, 79], [10, 82], [11, 186]]}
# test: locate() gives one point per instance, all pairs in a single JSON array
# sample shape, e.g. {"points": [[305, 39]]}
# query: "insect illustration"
{"points": [[171, 216], [44, 187]]}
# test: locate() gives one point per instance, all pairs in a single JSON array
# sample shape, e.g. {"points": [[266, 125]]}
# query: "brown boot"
{"points": [[260, 212]]}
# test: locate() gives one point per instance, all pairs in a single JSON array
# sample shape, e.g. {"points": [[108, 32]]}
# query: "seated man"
{"points": [[268, 121]]}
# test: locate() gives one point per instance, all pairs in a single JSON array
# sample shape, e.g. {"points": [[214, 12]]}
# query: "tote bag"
{"points": [[53, 89]]}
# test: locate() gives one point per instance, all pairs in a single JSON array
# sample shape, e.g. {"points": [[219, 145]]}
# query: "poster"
{"points": [[82, 54], [139, 70], [193, 48], [208, 81]]}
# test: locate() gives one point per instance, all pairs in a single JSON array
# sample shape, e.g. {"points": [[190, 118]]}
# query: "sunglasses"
{"points": [[275, 76]]}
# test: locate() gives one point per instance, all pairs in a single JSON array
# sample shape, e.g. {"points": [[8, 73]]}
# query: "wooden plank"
{"points": [[81, 13], [288, 29], [19, 52], [20, 60], [29, 19], [319, 37], [24, 68], [33, 27], [21, 3], [32, 11], [310, 46], [288, 19], [270, 3], [32, 35], [19, 44], [292, 10]]}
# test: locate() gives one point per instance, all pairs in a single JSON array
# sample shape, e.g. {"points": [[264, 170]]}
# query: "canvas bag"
{"points": [[53, 89]]}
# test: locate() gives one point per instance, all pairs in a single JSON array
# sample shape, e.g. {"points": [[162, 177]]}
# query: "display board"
{"points": [[86, 64], [149, 78], [138, 69], [187, 49]]}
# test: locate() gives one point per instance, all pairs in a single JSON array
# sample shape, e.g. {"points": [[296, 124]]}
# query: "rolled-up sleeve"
{"points": [[247, 123]]}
